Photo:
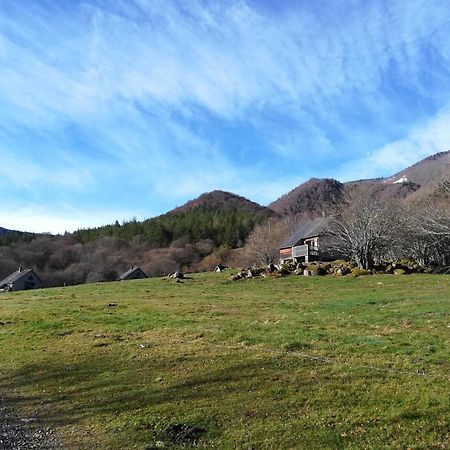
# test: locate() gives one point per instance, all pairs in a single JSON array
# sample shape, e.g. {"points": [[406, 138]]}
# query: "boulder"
{"points": [[359, 272], [283, 272], [399, 272], [178, 275], [342, 271]]}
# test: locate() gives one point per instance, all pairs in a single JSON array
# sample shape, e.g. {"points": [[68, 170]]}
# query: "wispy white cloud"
{"points": [[224, 57], [146, 95], [422, 140]]}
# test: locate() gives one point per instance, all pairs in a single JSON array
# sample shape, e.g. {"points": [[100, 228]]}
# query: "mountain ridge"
{"points": [[218, 199], [317, 195]]}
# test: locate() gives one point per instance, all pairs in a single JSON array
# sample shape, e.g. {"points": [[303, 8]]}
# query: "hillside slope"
{"points": [[316, 196], [222, 200], [312, 198], [330, 362], [433, 169], [222, 217]]}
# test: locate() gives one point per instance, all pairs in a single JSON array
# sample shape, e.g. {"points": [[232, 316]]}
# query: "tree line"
{"points": [[364, 227], [229, 227], [161, 245]]}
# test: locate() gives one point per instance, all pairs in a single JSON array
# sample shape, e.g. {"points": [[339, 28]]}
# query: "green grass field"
{"points": [[295, 362]]}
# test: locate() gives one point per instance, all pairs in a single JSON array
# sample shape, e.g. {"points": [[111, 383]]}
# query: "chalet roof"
{"points": [[17, 275], [306, 230], [130, 271]]}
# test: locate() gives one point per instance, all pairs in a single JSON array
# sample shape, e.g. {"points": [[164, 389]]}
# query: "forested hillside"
{"points": [[179, 240], [224, 218]]}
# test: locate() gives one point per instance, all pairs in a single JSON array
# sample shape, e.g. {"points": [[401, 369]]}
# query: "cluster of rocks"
{"points": [[334, 268], [177, 276], [19, 433]]}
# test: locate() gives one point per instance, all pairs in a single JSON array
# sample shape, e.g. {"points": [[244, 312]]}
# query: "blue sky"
{"points": [[115, 109]]}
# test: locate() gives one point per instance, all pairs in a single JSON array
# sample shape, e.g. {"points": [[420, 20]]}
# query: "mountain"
{"points": [[220, 217], [430, 170], [6, 232], [316, 196], [222, 200], [310, 198]]}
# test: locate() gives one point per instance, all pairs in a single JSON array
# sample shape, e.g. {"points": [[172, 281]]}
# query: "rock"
{"points": [[271, 268], [339, 262], [320, 270], [342, 271], [306, 273], [399, 272], [283, 271], [359, 272]]}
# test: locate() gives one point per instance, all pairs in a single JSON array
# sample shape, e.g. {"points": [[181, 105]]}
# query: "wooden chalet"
{"points": [[21, 280], [133, 273], [304, 243]]}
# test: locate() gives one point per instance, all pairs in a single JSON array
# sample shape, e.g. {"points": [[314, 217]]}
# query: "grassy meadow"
{"points": [[268, 363]]}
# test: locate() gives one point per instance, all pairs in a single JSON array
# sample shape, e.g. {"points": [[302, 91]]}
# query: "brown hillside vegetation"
{"points": [[433, 169], [310, 198], [223, 200]]}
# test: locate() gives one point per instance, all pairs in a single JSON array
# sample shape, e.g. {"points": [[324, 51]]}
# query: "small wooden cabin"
{"points": [[133, 273], [21, 280], [304, 243]]}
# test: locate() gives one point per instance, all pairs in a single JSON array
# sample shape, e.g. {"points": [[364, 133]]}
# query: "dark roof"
{"points": [[306, 230], [130, 271], [17, 275]]}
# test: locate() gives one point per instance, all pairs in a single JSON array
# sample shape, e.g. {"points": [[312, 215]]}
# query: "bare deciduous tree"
{"points": [[430, 225], [263, 243], [363, 225]]}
